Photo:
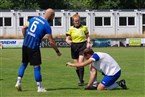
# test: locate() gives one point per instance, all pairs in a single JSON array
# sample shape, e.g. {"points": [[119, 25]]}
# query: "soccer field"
{"points": [[61, 81]]}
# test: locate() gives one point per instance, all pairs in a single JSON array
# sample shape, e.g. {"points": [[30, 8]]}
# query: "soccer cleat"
{"points": [[91, 88], [122, 84], [81, 83], [41, 90], [95, 84], [18, 87]]}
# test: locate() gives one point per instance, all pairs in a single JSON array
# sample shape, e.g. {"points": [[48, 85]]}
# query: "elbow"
{"points": [[51, 43], [67, 39], [24, 27]]}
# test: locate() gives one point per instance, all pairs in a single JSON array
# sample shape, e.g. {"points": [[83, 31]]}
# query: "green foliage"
{"points": [[19, 4], [6, 4], [132, 4], [80, 4], [72, 4], [61, 81], [55, 4], [109, 4], [25, 4]]}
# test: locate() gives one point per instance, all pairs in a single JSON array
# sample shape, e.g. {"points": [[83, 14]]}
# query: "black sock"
{"points": [[81, 73], [77, 71]]}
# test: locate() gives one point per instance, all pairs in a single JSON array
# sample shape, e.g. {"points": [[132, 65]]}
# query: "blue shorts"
{"points": [[109, 80]]}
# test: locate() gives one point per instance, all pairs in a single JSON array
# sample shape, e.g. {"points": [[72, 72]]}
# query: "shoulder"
{"points": [[83, 26], [95, 57], [72, 27]]}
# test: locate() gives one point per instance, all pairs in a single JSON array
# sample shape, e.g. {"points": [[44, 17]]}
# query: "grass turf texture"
{"points": [[61, 81]]}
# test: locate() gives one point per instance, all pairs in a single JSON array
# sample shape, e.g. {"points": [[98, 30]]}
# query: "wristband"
{"points": [[57, 51]]}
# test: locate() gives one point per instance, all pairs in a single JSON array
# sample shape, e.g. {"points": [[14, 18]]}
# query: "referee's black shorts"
{"points": [[77, 49], [31, 55]]}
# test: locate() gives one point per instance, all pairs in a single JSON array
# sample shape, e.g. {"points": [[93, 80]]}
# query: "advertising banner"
{"points": [[101, 42], [60, 42], [133, 41], [11, 43]]}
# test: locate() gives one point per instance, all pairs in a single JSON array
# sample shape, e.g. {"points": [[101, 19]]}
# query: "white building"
{"points": [[101, 22]]}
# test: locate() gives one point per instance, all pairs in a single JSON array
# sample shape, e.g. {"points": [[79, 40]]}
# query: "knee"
{"points": [[101, 87]]}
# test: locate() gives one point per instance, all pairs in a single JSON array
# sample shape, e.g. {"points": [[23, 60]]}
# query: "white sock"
{"points": [[112, 86], [19, 80], [39, 84], [95, 80]]}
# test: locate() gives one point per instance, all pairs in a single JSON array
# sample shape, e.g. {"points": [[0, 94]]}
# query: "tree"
{"points": [[81, 4], [132, 4], [25, 4], [109, 4], [55, 4], [5, 4], [72, 4], [19, 4]]}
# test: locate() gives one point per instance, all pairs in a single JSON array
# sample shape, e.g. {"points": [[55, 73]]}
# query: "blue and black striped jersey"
{"points": [[37, 28]]}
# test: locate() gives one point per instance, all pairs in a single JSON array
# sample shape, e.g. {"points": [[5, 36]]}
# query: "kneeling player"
{"points": [[105, 64]]}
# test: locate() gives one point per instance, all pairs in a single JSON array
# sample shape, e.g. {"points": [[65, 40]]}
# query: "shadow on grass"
{"points": [[120, 89], [54, 89]]}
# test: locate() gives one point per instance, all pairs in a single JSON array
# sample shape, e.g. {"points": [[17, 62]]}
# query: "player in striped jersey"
{"points": [[33, 32]]}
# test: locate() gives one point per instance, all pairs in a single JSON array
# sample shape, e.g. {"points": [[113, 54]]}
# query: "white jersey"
{"points": [[104, 63]]}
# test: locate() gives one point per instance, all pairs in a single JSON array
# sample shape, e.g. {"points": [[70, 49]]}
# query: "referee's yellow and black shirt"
{"points": [[78, 34]]}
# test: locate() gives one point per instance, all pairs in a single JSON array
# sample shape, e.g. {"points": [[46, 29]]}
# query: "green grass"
{"points": [[61, 81]]}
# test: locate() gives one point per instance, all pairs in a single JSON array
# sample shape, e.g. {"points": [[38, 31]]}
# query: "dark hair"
{"points": [[88, 51]]}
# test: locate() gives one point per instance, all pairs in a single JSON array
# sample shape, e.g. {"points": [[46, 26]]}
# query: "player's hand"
{"points": [[68, 64], [59, 54], [69, 42]]}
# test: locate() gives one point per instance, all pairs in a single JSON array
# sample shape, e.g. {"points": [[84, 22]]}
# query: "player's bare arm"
{"points": [[79, 64], [24, 28], [88, 40], [53, 45], [92, 77], [68, 40]]}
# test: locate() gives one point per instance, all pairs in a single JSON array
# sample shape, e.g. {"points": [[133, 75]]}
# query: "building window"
{"points": [[1, 21], [58, 21], [122, 21], [29, 17], [71, 21], [50, 23], [126, 21], [83, 20], [131, 21], [107, 21], [98, 21], [21, 21], [7, 21], [102, 21], [143, 18]]}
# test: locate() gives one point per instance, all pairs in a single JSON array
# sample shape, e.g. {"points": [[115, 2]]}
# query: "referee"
{"points": [[79, 39]]}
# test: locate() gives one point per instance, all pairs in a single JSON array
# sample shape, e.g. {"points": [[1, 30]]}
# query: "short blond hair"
{"points": [[75, 15]]}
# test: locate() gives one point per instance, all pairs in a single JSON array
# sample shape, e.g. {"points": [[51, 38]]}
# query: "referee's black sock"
{"points": [[77, 71], [81, 73]]}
